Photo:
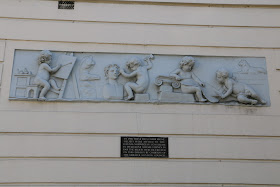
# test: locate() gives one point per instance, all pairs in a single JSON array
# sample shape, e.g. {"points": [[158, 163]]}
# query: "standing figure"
{"points": [[242, 92], [140, 72], [43, 75], [112, 90], [190, 84]]}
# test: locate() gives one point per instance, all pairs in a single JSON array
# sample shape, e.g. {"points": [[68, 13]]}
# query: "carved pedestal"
{"points": [[176, 97], [142, 97], [165, 88]]}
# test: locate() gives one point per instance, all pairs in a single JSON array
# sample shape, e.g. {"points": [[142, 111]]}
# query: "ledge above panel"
{"points": [[205, 2]]}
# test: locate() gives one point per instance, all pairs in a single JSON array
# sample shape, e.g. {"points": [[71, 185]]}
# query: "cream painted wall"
{"points": [[77, 143]]}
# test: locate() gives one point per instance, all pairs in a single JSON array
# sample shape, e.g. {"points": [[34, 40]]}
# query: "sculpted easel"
{"points": [[67, 63]]}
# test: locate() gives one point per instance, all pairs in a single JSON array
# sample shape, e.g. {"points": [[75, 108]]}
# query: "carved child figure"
{"points": [[190, 84], [242, 92], [43, 75], [140, 72]]}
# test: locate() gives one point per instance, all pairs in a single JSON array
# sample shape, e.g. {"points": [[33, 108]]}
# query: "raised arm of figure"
{"points": [[132, 74], [229, 86], [197, 80], [55, 69], [175, 74], [149, 62]]}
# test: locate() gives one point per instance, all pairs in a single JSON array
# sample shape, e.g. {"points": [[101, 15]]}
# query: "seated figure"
{"points": [[190, 84], [140, 72], [42, 77]]}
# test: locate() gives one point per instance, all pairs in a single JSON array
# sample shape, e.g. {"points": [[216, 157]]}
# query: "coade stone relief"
{"points": [[60, 76]]}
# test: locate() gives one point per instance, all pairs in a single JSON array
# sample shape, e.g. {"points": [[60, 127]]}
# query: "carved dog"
{"points": [[246, 68]]}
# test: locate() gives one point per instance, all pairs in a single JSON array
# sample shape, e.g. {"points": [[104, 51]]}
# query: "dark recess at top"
{"points": [[69, 5]]}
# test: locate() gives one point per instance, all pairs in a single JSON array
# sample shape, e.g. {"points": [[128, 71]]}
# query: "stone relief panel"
{"points": [[144, 78]]}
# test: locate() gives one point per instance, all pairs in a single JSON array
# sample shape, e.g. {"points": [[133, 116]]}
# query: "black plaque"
{"points": [[144, 147]]}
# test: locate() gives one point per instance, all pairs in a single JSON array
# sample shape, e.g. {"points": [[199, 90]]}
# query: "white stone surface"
{"points": [[48, 130], [93, 145], [133, 123], [133, 33], [140, 171], [2, 50], [115, 184], [230, 2], [130, 185], [143, 13], [1, 72]]}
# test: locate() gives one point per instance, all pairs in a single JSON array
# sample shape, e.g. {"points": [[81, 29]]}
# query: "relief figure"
{"points": [[190, 83], [140, 72], [42, 77], [112, 90], [242, 92]]}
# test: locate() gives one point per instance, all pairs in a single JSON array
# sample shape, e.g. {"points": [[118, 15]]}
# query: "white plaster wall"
{"points": [[78, 144]]}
